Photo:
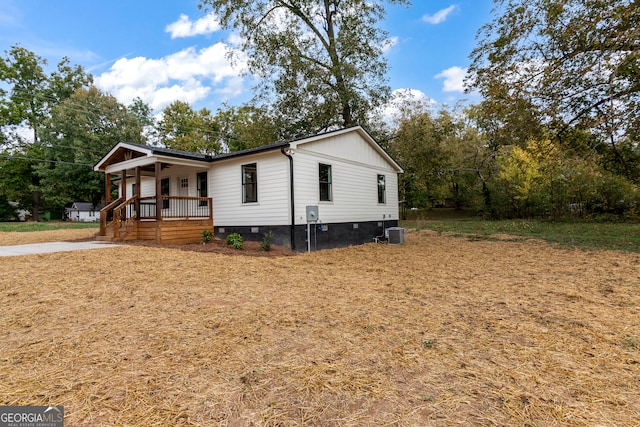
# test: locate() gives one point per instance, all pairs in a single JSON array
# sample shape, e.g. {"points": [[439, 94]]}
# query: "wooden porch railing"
{"points": [[174, 207], [120, 213]]}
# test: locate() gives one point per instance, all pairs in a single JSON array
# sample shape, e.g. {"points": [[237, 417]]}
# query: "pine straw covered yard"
{"points": [[439, 331]]}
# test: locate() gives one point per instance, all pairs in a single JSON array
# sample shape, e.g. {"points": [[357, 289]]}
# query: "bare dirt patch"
{"points": [[438, 331]]}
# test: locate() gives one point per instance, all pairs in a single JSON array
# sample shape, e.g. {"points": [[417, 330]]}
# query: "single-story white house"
{"points": [[343, 177], [21, 214], [83, 212]]}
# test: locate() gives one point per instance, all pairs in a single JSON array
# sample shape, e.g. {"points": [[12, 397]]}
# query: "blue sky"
{"points": [[167, 51]]}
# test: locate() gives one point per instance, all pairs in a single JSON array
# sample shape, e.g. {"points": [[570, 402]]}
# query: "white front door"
{"points": [[183, 186]]}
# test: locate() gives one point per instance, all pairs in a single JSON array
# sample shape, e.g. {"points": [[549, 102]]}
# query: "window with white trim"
{"points": [[325, 181], [201, 182], [164, 191], [382, 189], [250, 183]]}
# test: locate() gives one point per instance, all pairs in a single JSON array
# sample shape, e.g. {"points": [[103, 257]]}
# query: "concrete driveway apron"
{"points": [[43, 248]]}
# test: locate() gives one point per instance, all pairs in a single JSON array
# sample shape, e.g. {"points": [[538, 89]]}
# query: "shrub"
{"points": [[266, 241], [207, 235], [235, 240]]}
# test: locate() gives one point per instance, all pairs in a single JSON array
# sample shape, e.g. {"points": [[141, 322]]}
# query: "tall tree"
{"points": [[321, 60], [27, 104], [81, 130], [64, 82], [247, 127], [439, 154], [18, 181], [183, 128], [576, 62]]}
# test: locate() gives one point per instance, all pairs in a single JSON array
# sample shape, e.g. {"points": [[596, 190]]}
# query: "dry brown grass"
{"points": [[63, 235], [439, 331]]}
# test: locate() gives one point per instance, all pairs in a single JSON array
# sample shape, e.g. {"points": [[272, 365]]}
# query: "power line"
{"points": [[81, 107], [10, 157]]}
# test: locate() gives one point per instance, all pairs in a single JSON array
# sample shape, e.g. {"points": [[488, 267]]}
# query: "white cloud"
{"points": [[184, 27], [189, 75], [453, 79], [440, 16]]}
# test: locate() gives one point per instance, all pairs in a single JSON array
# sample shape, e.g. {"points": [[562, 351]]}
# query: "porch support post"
{"points": [[107, 188], [124, 192], [137, 203], [158, 173]]}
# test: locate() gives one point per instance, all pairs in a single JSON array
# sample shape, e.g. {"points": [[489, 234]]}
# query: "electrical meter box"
{"points": [[312, 214]]}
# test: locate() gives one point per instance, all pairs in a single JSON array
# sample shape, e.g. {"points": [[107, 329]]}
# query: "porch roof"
{"points": [[130, 154]]}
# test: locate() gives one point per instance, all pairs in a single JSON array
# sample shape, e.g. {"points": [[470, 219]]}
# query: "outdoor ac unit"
{"points": [[395, 235]]}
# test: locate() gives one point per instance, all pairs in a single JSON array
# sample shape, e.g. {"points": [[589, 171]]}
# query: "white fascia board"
{"points": [[150, 160], [181, 162]]}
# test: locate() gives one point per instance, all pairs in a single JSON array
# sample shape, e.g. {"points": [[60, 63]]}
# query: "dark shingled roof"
{"points": [[207, 157], [222, 156]]}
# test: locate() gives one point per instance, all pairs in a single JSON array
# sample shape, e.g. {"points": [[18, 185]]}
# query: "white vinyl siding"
{"points": [[354, 181], [147, 186], [272, 207], [348, 147], [175, 174]]}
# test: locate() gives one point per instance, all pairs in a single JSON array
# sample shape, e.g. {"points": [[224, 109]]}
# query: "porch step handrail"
{"points": [[104, 214], [123, 215]]}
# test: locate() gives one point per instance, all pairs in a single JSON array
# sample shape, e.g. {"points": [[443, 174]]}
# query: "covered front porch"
{"points": [[145, 209]]}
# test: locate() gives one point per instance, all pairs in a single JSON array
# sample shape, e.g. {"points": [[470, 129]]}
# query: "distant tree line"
{"points": [[555, 134]]}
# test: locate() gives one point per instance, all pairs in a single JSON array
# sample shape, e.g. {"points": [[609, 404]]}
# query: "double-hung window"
{"points": [[249, 183], [382, 190], [201, 182], [325, 183], [164, 191]]}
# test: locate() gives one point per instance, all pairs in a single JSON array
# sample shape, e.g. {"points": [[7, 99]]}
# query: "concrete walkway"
{"points": [[43, 248]]}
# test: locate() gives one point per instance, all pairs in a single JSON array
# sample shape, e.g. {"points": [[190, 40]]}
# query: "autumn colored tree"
{"points": [[572, 63]]}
